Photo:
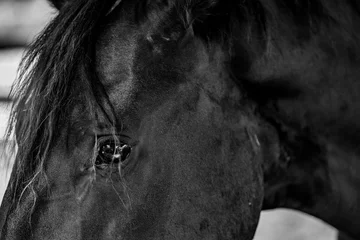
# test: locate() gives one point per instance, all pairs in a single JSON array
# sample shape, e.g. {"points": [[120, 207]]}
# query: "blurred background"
{"points": [[20, 22]]}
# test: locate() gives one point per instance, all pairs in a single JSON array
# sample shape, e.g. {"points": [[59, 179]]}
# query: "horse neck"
{"points": [[309, 93], [340, 205]]}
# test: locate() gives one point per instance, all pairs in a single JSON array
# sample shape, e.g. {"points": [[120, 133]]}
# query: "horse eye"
{"points": [[112, 152]]}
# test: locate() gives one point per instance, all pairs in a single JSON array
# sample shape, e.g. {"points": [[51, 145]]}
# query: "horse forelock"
{"points": [[49, 82]]}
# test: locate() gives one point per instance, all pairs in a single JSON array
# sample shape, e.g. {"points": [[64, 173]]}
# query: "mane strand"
{"points": [[49, 80]]}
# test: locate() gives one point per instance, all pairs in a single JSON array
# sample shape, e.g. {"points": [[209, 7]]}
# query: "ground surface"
{"points": [[274, 225]]}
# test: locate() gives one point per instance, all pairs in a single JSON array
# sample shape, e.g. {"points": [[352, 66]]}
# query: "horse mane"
{"points": [[49, 80], [262, 19], [49, 72]]}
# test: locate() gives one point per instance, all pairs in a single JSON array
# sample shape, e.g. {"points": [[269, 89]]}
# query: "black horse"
{"points": [[183, 119]]}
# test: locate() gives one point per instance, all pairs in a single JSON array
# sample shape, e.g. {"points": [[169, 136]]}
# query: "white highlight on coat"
{"points": [[114, 6], [255, 143]]}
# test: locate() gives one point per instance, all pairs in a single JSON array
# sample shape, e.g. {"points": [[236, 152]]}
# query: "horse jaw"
{"points": [[316, 171]]}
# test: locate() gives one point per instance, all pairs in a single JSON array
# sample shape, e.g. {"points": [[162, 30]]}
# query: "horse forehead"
{"points": [[119, 41], [124, 53], [115, 54], [143, 59]]}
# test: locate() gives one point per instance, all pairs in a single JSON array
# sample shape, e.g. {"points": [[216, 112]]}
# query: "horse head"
{"points": [[180, 119], [144, 132]]}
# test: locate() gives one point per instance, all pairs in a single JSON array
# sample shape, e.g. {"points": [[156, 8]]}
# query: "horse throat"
{"points": [[313, 175]]}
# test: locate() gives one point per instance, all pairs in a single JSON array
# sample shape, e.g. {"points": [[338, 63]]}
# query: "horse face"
{"points": [[193, 172], [192, 167]]}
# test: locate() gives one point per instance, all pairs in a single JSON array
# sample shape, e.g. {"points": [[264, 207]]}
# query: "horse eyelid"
{"points": [[118, 137]]}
